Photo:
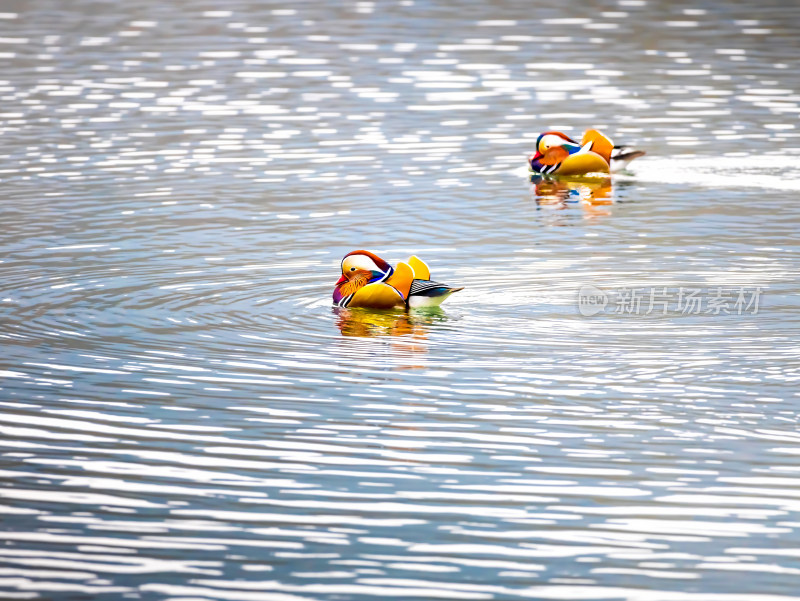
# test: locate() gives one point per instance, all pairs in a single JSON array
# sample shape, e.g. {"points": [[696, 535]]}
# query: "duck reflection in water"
{"points": [[591, 193], [405, 331], [560, 190], [368, 323]]}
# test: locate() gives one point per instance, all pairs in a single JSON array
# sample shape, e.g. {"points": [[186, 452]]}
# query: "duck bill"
{"points": [[342, 280], [534, 162]]}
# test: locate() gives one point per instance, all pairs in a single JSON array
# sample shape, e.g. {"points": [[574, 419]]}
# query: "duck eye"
{"points": [[352, 269]]}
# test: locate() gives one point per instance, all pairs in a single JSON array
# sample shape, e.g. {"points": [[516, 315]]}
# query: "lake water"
{"points": [[609, 410]]}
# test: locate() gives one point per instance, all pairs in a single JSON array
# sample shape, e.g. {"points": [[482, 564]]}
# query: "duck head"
{"points": [[360, 268], [552, 147]]}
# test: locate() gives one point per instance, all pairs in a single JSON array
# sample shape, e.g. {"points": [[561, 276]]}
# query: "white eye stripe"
{"points": [[551, 140], [359, 262]]}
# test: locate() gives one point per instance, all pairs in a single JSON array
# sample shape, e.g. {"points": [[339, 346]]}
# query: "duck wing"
{"points": [[430, 288]]}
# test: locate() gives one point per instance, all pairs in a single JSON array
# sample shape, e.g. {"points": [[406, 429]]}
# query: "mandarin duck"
{"points": [[558, 154], [369, 281]]}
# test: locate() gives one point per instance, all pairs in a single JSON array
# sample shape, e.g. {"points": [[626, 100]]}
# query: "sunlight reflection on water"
{"points": [[185, 415]]}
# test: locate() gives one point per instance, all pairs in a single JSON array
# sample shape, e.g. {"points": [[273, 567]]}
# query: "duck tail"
{"points": [[627, 155], [623, 156], [425, 293]]}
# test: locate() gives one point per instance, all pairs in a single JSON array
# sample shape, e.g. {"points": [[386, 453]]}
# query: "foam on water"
{"points": [[765, 172]]}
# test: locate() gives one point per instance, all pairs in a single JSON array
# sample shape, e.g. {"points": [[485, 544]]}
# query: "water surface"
{"points": [[185, 416]]}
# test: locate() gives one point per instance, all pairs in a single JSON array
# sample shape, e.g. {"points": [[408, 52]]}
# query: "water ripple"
{"points": [[186, 416]]}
